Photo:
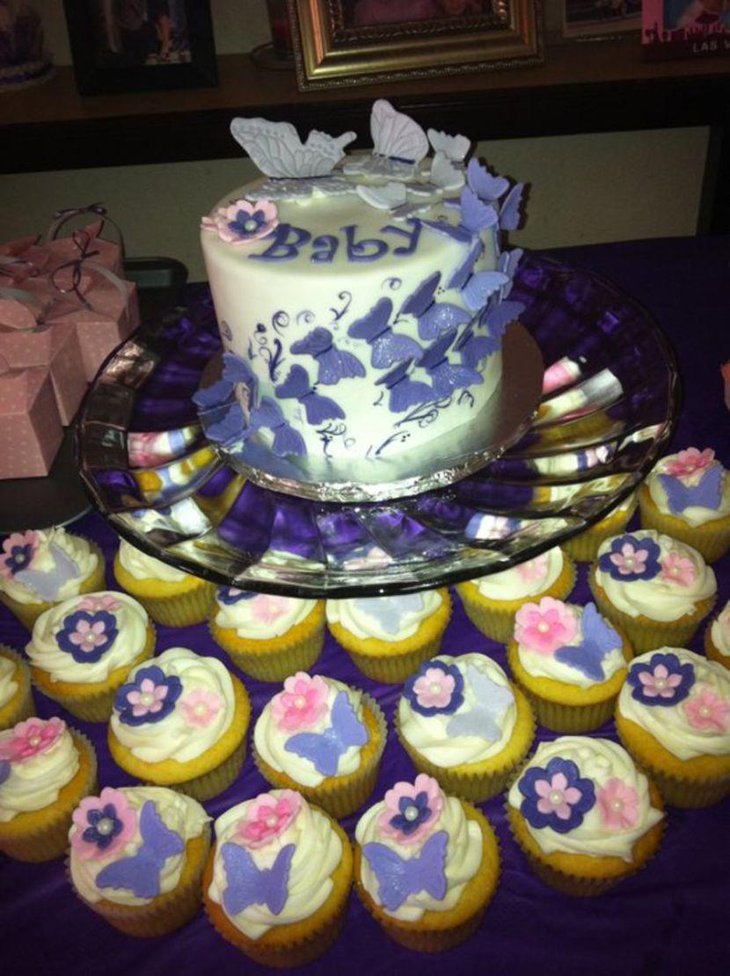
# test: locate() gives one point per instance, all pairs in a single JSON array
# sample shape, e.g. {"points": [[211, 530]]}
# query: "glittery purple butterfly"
{"points": [[599, 638], [386, 347], [318, 408], [474, 348], [268, 415], [444, 376], [400, 877], [140, 873], [404, 392], [323, 749], [251, 885], [333, 364], [707, 493]]}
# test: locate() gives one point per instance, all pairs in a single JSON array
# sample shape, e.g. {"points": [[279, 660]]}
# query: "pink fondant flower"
{"points": [[707, 711], [302, 702], [18, 552], [678, 569], [533, 569], [99, 601], [411, 809], [200, 707], [690, 462], [268, 608], [659, 683], [243, 221], [618, 804], [546, 626], [434, 688], [556, 796], [31, 738], [103, 825], [267, 816]]}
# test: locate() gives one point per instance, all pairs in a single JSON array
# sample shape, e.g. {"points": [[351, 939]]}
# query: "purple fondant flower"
{"points": [[103, 824], [243, 222], [664, 680], [229, 595], [149, 697], [436, 689], [411, 809], [87, 636], [631, 558], [18, 552], [556, 796]]}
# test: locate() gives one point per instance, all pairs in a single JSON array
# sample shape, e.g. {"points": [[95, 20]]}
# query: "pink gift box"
{"points": [[21, 259], [24, 343], [30, 425], [85, 243]]}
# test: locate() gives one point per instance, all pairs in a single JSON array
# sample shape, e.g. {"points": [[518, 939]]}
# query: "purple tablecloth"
{"points": [[671, 918]]}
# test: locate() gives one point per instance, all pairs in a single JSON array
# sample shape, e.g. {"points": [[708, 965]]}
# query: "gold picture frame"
{"points": [[334, 46]]}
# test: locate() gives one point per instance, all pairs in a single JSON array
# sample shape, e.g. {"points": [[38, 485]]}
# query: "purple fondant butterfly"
{"points": [[323, 749], [405, 393], [492, 700], [474, 348], [481, 286], [333, 364], [400, 877], [47, 583], [251, 885], [509, 213], [140, 873], [463, 272], [707, 493], [599, 638], [268, 415], [318, 408], [417, 303], [444, 376], [386, 347], [388, 612], [481, 181]]}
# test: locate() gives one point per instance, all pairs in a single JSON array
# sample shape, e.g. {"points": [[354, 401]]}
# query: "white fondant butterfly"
{"points": [[454, 148], [386, 197], [492, 701], [277, 150], [399, 145]]}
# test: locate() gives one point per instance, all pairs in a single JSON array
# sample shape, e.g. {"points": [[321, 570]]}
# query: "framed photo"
{"points": [[685, 29], [133, 45], [351, 42], [598, 19]]}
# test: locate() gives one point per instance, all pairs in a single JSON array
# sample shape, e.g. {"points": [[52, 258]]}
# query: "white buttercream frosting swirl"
{"points": [[477, 729], [317, 853], [179, 813], [8, 684], [107, 625], [202, 712], [387, 618], [144, 567], [692, 514], [620, 814], [259, 616], [69, 557], [690, 724], [720, 631], [35, 782], [524, 580], [663, 597]]}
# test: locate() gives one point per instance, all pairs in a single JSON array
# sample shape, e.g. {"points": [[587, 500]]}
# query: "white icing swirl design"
{"points": [[527, 579], [271, 740], [598, 834], [463, 856], [35, 782], [720, 632], [658, 598], [73, 547], [699, 723], [388, 618], [130, 620], [317, 853], [143, 567], [263, 616], [8, 685], [184, 733], [477, 730], [179, 813], [693, 515]]}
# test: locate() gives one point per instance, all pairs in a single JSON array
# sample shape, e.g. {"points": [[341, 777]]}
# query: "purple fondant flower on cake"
{"points": [[87, 636], [103, 824], [708, 711], [664, 680], [301, 704], [556, 796], [545, 626], [678, 569], [631, 558], [18, 553], [31, 738], [689, 463], [411, 809], [618, 805], [229, 595], [4, 770], [243, 222], [200, 707], [436, 689], [268, 816], [149, 697]]}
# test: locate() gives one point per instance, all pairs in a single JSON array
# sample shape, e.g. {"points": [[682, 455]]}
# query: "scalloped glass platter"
{"points": [[608, 407]]}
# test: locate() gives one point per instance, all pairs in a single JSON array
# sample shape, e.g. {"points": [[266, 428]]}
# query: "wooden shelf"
{"points": [[582, 88]]}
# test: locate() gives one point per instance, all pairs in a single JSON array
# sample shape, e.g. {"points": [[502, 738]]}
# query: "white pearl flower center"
{"points": [[411, 814]]}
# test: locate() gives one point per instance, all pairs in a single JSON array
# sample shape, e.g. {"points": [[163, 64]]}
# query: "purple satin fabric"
{"points": [[669, 919]]}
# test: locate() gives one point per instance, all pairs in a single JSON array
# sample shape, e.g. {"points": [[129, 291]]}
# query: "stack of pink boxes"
{"points": [[64, 306]]}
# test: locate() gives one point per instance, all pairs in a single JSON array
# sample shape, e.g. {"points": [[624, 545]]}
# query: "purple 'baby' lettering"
{"points": [[368, 249], [412, 236], [285, 244], [324, 248]]}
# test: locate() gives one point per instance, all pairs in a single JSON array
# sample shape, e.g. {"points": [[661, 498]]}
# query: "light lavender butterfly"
{"points": [[492, 701]]}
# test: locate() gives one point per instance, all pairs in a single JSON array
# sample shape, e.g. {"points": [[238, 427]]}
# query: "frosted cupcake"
{"points": [[717, 638], [584, 815], [181, 721], [170, 596], [39, 569], [570, 662], [16, 699], [296, 915], [426, 865], [267, 637], [461, 721], [687, 496], [657, 590], [137, 856], [82, 650], [492, 601], [673, 715], [322, 738], [388, 637], [45, 770]]}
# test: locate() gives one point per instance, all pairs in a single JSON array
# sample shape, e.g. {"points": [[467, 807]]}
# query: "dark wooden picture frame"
{"points": [[138, 46]]}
